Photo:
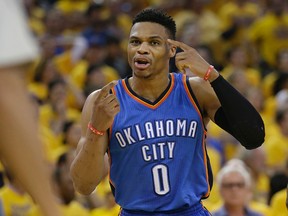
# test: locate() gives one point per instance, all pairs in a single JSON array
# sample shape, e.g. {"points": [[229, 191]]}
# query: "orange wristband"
{"points": [[208, 72], [94, 130]]}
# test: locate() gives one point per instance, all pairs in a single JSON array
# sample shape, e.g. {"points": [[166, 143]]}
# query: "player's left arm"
{"points": [[230, 110], [218, 100], [237, 115]]}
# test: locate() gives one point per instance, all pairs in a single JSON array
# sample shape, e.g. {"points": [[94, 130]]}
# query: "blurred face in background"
{"points": [[96, 54], [234, 190]]}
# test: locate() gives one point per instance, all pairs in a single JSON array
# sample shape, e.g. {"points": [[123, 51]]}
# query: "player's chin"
{"points": [[143, 74]]}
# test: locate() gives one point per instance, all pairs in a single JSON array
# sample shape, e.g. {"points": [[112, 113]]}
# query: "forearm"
{"points": [[20, 147], [237, 116], [33, 173], [88, 167]]}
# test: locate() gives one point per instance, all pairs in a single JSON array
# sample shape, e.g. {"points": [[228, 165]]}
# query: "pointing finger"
{"points": [[105, 90], [179, 44]]}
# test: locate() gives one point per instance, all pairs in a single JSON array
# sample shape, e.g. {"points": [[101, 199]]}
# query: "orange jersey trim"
{"points": [[147, 104], [205, 132]]}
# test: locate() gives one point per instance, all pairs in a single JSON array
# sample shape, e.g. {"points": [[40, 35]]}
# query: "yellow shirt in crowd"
{"points": [[15, 203]]}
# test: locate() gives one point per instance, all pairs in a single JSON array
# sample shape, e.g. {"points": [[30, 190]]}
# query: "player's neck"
{"points": [[150, 89]]}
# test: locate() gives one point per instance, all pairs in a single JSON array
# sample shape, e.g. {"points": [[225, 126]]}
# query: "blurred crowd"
{"points": [[83, 47]]}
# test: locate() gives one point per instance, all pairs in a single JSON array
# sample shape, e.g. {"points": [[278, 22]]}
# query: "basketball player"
{"points": [[153, 125], [20, 148]]}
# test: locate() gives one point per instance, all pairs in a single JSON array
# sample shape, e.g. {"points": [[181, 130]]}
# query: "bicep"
{"points": [[211, 104], [206, 97]]}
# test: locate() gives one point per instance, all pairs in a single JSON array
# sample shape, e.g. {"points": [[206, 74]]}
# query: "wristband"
{"points": [[94, 130], [208, 72]]}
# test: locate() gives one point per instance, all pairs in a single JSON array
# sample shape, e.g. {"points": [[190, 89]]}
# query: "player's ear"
{"points": [[172, 50]]}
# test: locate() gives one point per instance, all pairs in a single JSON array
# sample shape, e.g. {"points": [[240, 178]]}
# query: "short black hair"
{"points": [[157, 16]]}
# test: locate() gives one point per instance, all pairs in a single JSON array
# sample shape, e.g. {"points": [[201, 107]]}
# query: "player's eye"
{"points": [[134, 42], [155, 43]]}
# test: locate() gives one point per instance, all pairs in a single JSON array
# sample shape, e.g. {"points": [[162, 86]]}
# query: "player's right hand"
{"points": [[105, 107]]}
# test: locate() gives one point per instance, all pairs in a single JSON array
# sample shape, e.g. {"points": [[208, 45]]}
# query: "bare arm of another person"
{"points": [[88, 167], [219, 101], [20, 146]]}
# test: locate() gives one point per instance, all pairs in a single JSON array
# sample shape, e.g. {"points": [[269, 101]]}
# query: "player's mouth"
{"points": [[141, 63]]}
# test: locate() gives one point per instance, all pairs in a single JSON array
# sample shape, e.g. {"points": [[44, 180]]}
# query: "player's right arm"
{"points": [[88, 167]]}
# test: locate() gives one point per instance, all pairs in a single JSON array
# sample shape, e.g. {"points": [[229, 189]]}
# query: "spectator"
{"points": [[94, 56], [278, 201], [55, 112], [235, 183], [237, 58], [269, 33], [14, 198], [255, 160], [276, 144], [280, 68], [278, 182], [97, 15]]}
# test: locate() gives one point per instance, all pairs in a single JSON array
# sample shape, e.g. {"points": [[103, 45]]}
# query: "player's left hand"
{"points": [[189, 59]]}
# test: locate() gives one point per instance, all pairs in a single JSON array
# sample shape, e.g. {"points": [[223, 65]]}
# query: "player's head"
{"points": [[157, 16]]}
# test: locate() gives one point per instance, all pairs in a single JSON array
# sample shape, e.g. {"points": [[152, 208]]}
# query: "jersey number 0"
{"points": [[161, 179]]}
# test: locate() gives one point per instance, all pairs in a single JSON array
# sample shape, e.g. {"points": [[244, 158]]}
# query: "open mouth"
{"points": [[141, 63]]}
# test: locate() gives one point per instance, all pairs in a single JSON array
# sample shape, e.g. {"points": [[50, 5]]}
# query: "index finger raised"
{"points": [[179, 44], [105, 90]]}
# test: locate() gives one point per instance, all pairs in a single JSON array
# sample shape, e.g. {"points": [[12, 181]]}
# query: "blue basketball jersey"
{"points": [[157, 150]]}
